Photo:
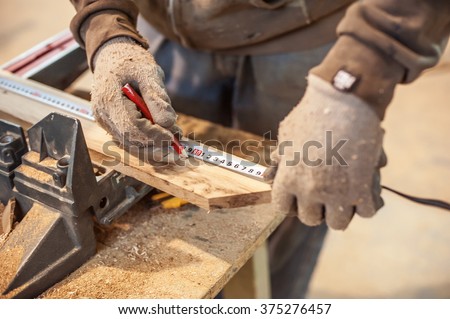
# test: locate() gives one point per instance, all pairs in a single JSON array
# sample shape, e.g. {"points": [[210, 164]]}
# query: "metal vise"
{"points": [[58, 192], [12, 147]]}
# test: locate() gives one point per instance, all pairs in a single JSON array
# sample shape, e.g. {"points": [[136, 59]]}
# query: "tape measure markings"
{"points": [[46, 98], [213, 156]]}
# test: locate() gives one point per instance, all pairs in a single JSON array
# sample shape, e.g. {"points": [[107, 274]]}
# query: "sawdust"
{"points": [[19, 242], [11, 259], [156, 253], [33, 225], [43, 177]]}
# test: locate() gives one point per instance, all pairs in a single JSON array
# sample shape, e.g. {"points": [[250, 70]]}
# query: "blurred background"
{"points": [[404, 251]]}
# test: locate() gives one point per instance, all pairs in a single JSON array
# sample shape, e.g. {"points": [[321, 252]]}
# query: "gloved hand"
{"points": [[120, 61], [330, 171]]}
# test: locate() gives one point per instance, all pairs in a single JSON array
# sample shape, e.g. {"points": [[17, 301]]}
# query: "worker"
{"points": [[246, 64]]}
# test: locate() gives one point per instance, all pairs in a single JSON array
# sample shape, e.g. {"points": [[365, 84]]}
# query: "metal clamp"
{"points": [[58, 191], [12, 147]]}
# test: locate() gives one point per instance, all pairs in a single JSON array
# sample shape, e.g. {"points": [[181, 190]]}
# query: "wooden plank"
{"points": [[178, 253], [204, 185]]}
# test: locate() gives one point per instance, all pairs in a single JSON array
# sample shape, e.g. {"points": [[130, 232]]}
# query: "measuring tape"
{"points": [[216, 157], [49, 99], [194, 149]]}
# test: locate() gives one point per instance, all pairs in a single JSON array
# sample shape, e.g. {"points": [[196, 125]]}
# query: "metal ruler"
{"points": [[194, 149], [38, 95]]}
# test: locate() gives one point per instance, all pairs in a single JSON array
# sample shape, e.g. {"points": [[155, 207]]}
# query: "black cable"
{"points": [[425, 201]]}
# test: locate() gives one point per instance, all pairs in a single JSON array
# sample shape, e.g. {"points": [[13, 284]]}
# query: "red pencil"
{"points": [[140, 103]]}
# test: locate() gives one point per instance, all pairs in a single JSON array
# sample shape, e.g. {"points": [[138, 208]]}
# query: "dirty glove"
{"points": [[120, 61], [328, 158]]}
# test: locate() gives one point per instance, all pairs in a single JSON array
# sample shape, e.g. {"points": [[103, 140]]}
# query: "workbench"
{"points": [[189, 252], [179, 253], [186, 252]]}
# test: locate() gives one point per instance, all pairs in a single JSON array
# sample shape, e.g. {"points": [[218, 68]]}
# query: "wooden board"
{"points": [[207, 186]]}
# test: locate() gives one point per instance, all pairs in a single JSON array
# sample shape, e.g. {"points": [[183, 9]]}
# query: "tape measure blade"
{"points": [[57, 102], [205, 153]]}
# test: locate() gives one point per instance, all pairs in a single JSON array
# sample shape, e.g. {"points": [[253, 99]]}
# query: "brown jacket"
{"points": [[383, 42], [246, 26], [386, 42], [235, 27]]}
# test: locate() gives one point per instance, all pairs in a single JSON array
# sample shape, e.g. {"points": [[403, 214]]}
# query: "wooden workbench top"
{"points": [[182, 253]]}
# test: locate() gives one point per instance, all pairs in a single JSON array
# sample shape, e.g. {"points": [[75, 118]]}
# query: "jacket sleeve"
{"points": [[385, 42], [98, 21]]}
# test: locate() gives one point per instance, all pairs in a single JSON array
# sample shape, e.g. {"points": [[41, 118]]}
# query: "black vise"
{"points": [[59, 192]]}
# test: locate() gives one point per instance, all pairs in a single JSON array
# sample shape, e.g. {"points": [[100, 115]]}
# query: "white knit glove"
{"points": [[328, 176], [120, 61]]}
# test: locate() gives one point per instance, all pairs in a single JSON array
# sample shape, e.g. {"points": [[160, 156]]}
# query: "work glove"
{"points": [[326, 166], [120, 61]]}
